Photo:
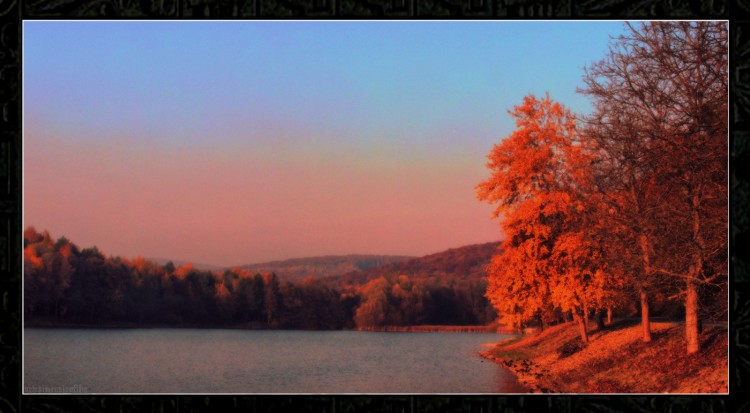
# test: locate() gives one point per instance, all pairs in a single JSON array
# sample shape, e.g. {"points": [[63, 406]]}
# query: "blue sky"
{"points": [[344, 104]]}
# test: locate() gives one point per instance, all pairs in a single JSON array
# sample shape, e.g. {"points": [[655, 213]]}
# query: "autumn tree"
{"points": [[257, 301], [145, 290], [537, 182], [374, 309], [392, 300], [311, 305], [272, 300], [226, 300], [247, 307], [88, 290], [409, 299], [660, 121]]}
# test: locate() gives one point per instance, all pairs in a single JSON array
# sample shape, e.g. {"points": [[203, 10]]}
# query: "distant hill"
{"points": [[462, 263], [331, 265], [197, 266], [341, 271]]}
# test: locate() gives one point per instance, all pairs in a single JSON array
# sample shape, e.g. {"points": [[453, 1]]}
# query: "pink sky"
{"points": [[233, 143], [229, 205]]}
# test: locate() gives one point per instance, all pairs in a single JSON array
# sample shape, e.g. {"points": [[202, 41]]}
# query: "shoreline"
{"points": [[616, 360], [386, 329], [525, 371], [440, 329]]}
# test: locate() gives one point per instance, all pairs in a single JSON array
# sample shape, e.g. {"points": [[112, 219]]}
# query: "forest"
{"points": [[66, 285], [627, 203]]}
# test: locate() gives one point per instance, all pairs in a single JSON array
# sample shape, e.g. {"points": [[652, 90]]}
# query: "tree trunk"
{"points": [[645, 250], [519, 326], [587, 317], [609, 315], [541, 322], [646, 325], [600, 319], [582, 327], [691, 298], [691, 318]]}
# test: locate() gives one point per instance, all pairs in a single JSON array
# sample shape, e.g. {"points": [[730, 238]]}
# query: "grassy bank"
{"points": [[616, 360]]}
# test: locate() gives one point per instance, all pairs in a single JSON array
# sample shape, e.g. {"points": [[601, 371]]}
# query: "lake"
{"points": [[164, 360]]}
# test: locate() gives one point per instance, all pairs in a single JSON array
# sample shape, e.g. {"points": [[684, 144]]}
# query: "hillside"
{"points": [[463, 263], [332, 265]]}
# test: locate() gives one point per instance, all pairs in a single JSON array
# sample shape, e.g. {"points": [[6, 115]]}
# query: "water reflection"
{"points": [[242, 361]]}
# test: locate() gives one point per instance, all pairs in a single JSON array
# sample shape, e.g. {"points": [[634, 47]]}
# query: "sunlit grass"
{"points": [[617, 361]]}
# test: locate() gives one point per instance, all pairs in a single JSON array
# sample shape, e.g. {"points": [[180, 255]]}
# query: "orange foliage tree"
{"points": [[391, 301], [538, 181]]}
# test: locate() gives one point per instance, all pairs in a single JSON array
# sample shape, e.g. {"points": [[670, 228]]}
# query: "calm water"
{"points": [[253, 361]]}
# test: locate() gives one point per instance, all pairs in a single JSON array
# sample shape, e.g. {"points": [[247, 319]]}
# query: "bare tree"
{"points": [[661, 122]]}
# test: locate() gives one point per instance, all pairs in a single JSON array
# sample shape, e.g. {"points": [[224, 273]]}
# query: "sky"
{"points": [[230, 143]]}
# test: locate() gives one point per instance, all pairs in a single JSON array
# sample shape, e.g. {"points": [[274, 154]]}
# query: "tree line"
{"points": [[66, 285], [627, 203]]}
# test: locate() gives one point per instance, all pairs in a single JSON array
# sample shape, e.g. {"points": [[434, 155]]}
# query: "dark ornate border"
{"points": [[13, 11]]}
